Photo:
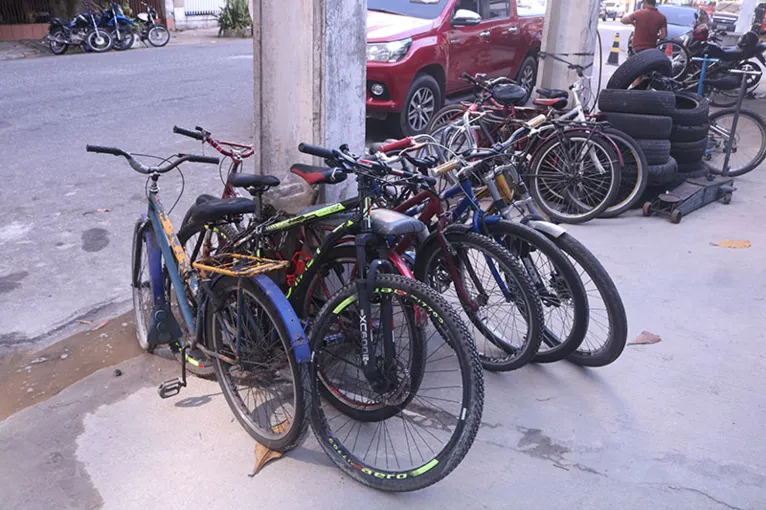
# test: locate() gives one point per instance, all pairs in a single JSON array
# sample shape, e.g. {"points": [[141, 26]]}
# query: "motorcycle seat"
{"points": [[725, 53], [730, 82]]}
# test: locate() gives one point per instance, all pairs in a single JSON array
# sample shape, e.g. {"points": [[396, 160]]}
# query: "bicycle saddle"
{"points": [[253, 181], [208, 208], [553, 93], [557, 103], [388, 223], [509, 94], [318, 174]]}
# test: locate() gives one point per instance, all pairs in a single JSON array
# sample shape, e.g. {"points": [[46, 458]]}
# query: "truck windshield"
{"points": [[425, 9]]}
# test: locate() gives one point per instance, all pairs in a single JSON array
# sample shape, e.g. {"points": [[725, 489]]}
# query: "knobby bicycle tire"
{"points": [[457, 345], [500, 352]]}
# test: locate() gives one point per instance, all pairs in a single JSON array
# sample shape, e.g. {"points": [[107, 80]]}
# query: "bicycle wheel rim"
{"points": [[679, 59], [749, 142], [260, 386], [574, 183], [633, 180]]}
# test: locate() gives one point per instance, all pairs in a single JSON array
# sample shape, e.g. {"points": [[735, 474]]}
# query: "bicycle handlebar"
{"points": [[148, 170], [197, 135], [316, 150]]}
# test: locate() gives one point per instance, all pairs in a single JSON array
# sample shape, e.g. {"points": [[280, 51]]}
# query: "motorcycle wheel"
{"points": [[58, 48], [158, 36], [124, 40], [98, 41]]}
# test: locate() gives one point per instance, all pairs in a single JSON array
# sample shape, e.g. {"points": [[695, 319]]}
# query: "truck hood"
{"points": [[384, 27]]}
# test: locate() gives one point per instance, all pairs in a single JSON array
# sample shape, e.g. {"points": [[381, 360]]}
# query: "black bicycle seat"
{"points": [[253, 181], [388, 223], [509, 93], [209, 209], [553, 93]]}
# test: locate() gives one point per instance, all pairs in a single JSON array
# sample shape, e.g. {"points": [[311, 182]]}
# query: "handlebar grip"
{"points": [[315, 150], [105, 150], [446, 167], [429, 180], [191, 134], [201, 159], [399, 144]]}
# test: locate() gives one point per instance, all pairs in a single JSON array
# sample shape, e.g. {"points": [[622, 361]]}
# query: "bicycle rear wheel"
{"points": [[432, 411], [501, 307], [575, 176], [607, 322], [749, 149], [265, 387]]}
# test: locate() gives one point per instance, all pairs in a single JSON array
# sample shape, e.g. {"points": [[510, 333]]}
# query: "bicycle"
{"points": [[373, 340], [235, 313]]}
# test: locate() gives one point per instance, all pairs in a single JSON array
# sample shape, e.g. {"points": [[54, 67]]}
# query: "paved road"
{"points": [[674, 425], [61, 258]]}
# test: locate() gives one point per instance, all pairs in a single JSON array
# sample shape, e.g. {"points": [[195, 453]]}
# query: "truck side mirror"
{"points": [[465, 18]]}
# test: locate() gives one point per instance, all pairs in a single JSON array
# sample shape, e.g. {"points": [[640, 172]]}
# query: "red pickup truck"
{"points": [[418, 49]]}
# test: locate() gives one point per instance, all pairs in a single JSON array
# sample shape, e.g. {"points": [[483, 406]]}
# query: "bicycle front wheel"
{"points": [[749, 144], [265, 387], [634, 177], [421, 427], [496, 296], [575, 176]]}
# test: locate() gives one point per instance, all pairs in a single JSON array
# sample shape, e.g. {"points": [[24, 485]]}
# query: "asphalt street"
{"points": [[678, 424]]}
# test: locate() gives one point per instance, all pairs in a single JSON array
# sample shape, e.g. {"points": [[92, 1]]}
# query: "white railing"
{"points": [[198, 7]]}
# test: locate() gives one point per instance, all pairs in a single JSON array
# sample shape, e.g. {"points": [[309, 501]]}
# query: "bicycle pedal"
{"points": [[170, 388]]}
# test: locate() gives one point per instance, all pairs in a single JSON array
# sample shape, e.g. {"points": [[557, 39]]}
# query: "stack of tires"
{"points": [[689, 136], [645, 115]]}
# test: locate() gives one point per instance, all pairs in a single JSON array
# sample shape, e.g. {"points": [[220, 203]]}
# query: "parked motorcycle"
{"points": [[156, 33], [83, 30], [120, 27]]}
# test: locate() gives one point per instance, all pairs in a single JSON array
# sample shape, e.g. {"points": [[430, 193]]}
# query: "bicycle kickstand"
{"points": [[173, 387]]}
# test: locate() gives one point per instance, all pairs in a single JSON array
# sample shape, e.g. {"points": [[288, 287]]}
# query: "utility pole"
{"points": [[746, 16]]}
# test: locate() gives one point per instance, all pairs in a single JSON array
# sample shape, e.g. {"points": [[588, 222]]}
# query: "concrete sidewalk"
{"points": [[38, 48]]}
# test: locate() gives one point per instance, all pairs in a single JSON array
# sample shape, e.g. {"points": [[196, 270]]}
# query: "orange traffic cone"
{"points": [[614, 55]]}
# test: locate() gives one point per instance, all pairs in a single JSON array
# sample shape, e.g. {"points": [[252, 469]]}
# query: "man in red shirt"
{"points": [[651, 25]]}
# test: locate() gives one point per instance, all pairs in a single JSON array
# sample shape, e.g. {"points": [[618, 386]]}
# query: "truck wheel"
{"points": [[422, 102], [527, 76]]}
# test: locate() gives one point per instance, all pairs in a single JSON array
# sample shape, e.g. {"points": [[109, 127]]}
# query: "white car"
{"points": [[614, 10]]}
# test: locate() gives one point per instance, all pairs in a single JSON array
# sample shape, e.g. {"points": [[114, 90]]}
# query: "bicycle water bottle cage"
{"points": [[163, 326]]}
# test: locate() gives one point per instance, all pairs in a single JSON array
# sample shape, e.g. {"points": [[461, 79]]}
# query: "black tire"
{"points": [[92, 41], [124, 40], [272, 340], [657, 152], [456, 345], [689, 152], [641, 127], [634, 178], [58, 48], [556, 282], [638, 65], [527, 76], [660, 175], [446, 115], [605, 307], [683, 133], [499, 352], [752, 125], [425, 91], [645, 102], [556, 185], [690, 110], [160, 34], [692, 170], [141, 282]]}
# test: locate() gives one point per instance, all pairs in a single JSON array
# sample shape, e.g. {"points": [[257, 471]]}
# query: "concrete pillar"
{"points": [[309, 64], [746, 16], [570, 27]]}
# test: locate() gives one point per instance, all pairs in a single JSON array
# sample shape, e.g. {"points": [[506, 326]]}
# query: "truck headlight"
{"points": [[388, 51]]}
